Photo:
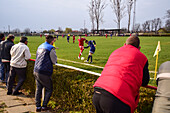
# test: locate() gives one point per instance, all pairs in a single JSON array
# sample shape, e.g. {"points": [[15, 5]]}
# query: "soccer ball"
{"points": [[82, 58]]}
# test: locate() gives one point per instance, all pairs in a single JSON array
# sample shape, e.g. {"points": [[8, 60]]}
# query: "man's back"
{"points": [[19, 54], [5, 47], [123, 73]]}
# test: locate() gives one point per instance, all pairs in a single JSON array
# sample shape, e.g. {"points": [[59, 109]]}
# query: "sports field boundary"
{"points": [[86, 64], [89, 72]]}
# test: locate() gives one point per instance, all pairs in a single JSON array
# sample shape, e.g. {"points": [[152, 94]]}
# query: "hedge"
{"points": [[73, 91]]}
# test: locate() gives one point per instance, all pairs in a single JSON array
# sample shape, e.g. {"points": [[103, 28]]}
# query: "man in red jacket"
{"points": [[117, 89]]}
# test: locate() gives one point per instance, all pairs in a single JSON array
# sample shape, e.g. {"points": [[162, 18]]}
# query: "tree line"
{"points": [[120, 8]]}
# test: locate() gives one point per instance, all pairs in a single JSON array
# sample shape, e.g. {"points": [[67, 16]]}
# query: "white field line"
{"points": [[80, 63], [85, 63], [78, 69]]}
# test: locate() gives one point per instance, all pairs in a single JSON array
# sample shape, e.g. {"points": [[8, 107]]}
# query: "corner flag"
{"points": [[158, 48]]}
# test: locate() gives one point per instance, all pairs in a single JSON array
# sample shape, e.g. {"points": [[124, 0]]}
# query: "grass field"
{"points": [[103, 50]]}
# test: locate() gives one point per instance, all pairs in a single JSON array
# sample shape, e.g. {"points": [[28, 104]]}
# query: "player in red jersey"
{"points": [[73, 38], [81, 45]]}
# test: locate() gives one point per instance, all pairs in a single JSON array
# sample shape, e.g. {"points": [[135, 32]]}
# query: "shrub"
{"points": [[73, 91]]}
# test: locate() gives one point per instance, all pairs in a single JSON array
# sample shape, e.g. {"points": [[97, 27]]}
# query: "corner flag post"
{"points": [[157, 53]]}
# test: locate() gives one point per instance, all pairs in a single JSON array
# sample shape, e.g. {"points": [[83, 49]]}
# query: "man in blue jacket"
{"points": [[43, 69]]}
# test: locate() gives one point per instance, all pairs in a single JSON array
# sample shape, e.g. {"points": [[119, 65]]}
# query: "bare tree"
{"points": [[119, 10], [167, 24], [144, 27], [129, 9], [137, 27], [152, 25], [158, 24], [99, 6], [91, 13], [148, 25], [17, 30], [27, 30]]}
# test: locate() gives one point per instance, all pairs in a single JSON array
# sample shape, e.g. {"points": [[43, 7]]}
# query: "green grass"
{"points": [[103, 50]]}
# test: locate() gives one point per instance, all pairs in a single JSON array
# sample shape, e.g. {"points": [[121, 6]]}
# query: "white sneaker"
{"points": [[86, 61], [78, 57]]}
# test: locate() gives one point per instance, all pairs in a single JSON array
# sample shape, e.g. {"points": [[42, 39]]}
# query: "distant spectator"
{"points": [[43, 69], [162, 96], [5, 47], [2, 75], [19, 54]]}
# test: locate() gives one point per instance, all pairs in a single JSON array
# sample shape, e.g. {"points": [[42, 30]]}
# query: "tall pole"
{"points": [[84, 25], [9, 28], [134, 15]]}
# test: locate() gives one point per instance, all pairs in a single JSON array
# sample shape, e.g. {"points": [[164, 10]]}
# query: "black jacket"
{"points": [[5, 47]]}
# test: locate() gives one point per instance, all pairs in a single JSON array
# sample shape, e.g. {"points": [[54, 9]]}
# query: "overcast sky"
{"points": [[51, 14]]}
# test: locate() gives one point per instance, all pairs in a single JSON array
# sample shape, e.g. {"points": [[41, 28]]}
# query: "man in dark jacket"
{"points": [[2, 38], [5, 47]]}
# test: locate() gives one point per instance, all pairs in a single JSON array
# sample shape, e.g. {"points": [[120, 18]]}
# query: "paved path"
{"points": [[16, 104]]}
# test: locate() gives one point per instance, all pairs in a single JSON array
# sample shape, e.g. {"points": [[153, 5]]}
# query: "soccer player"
{"points": [[73, 38], [68, 37], [106, 35], [81, 45], [54, 43], [92, 45]]}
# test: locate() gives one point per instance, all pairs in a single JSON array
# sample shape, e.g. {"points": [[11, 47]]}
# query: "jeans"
{"points": [[2, 75], [43, 81], [6, 69]]}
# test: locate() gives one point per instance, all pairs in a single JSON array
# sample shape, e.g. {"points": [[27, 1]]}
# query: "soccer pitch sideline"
{"points": [[104, 47]]}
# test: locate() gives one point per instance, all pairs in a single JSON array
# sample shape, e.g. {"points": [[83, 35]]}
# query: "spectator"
{"points": [[162, 96], [117, 89], [2, 76], [19, 54], [43, 69], [5, 47]]}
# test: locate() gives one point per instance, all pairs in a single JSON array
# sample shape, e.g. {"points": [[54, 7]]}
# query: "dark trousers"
{"points": [[21, 72], [43, 81], [6, 70], [105, 102]]}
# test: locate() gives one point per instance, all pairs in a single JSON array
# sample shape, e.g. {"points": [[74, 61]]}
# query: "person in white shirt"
{"points": [[19, 54]]}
